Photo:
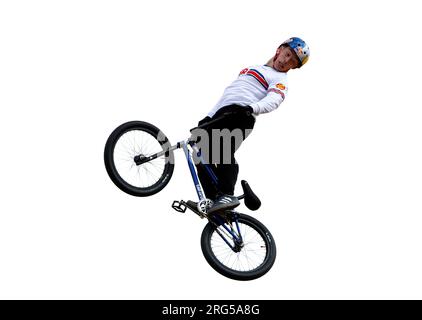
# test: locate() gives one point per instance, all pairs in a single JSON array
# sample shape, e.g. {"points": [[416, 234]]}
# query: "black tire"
{"points": [[159, 142], [258, 271]]}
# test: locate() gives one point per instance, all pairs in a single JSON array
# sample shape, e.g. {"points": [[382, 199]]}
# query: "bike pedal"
{"points": [[179, 206]]}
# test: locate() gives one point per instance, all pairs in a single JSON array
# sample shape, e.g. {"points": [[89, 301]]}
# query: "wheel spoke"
{"points": [[134, 143], [251, 255]]}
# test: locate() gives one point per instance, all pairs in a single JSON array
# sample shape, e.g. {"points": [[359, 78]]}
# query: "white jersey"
{"points": [[261, 87]]}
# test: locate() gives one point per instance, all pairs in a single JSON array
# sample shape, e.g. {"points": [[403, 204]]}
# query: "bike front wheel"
{"points": [[131, 142], [240, 249]]}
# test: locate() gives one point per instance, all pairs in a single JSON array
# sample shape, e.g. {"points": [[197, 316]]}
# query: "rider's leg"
{"points": [[227, 172], [227, 177], [209, 189], [207, 185]]}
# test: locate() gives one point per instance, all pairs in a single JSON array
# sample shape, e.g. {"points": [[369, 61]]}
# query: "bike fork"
{"points": [[230, 233]]}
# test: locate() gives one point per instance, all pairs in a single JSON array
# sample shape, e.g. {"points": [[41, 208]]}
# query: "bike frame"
{"points": [[236, 236], [194, 174], [184, 145]]}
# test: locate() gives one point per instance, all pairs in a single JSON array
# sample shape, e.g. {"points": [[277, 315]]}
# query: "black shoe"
{"points": [[224, 202]]}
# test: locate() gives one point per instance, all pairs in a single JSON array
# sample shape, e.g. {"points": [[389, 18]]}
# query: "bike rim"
{"points": [[251, 256], [134, 143]]}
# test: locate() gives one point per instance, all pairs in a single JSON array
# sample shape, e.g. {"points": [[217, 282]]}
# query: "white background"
{"points": [[337, 166]]}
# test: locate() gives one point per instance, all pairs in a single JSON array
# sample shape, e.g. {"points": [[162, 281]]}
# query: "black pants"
{"points": [[229, 117]]}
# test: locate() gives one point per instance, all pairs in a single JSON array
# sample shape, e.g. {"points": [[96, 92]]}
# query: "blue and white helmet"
{"points": [[300, 47]]}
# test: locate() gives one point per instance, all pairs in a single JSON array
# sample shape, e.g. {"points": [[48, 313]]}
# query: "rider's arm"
{"points": [[275, 96]]}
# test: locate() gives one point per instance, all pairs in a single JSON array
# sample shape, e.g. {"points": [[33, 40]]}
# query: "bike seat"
{"points": [[252, 202]]}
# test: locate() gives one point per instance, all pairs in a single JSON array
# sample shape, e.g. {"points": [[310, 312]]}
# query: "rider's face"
{"points": [[285, 59]]}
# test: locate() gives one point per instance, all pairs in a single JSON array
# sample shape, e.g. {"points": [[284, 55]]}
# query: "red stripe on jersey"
{"points": [[258, 77]]}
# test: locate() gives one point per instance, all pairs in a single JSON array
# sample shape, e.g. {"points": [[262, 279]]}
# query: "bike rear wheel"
{"points": [[132, 139], [253, 260]]}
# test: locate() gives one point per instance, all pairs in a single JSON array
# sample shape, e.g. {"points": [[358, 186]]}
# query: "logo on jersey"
{"points": [[281, 86], [243, 71]]}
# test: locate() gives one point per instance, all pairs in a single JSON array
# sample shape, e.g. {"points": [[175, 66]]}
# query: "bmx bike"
{"points": [[139, 160]]}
